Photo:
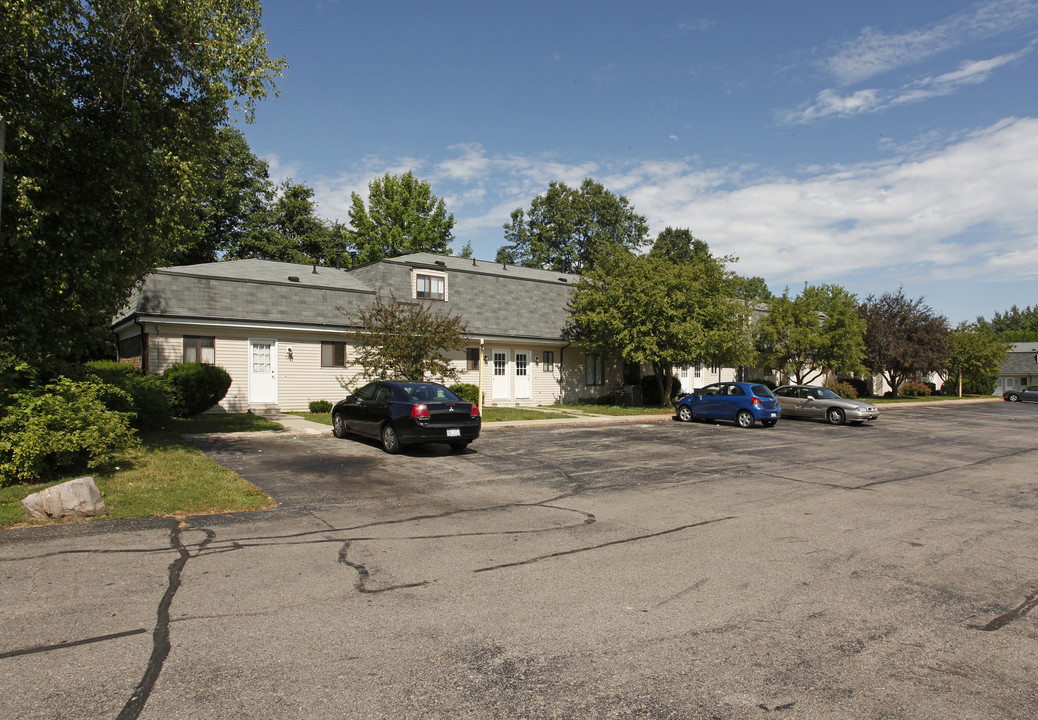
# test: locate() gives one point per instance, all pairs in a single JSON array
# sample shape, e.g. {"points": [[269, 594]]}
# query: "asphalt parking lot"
{"points": [[647, 570]]}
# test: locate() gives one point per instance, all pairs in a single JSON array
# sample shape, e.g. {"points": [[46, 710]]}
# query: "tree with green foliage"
{"points": [[288, 230], [407, 340], [818, 331], [904, 338], [679, 246], [975, 358], [1014, 324], [566, 228], [647, 309], [403, 216], [752, 289], [235, 197], [112, 109]]}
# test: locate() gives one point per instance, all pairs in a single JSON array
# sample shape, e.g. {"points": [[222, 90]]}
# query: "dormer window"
{"points": [[429, 285]]}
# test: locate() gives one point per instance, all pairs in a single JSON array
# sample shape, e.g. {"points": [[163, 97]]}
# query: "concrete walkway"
{"points": [[296, 426]]}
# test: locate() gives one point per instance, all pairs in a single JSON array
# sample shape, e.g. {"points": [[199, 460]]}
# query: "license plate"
{"points": [[453, 432], [772, 414]]}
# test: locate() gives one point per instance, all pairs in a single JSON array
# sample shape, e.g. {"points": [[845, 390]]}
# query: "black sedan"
{"points": [[1027, 394], [405, 413]]}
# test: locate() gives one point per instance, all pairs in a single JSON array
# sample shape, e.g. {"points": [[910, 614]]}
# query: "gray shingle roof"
{"points": [[1021, 360], [492, 299]]}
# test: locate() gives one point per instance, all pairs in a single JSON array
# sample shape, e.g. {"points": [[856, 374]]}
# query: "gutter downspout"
{"points": [[482, 349]]}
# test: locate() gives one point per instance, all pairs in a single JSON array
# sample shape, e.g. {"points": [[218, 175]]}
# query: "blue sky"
{"points": [[880, 145]]}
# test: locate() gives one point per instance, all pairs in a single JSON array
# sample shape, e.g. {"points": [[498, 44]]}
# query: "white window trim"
{"points": [[415, 272]]}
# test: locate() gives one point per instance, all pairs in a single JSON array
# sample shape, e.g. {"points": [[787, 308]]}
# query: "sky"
{"points": [[874, 145]]}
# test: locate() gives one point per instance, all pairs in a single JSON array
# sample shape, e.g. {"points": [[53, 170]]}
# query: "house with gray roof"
{"points": [[1020, 368], [286, 332]]}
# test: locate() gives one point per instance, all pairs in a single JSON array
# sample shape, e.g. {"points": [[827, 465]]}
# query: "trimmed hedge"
{"points": [[466, 391], [151, 396], [845, 390], [320, 406], [196, 386]]}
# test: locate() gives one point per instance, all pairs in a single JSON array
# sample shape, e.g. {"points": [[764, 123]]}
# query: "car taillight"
{"points": [[475, 411], [420, 412], [756, 402]]}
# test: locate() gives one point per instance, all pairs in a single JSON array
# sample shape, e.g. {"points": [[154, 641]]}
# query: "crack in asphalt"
{"points": [[1015, 614], [161, 644], [623, 541], [71, 643]]}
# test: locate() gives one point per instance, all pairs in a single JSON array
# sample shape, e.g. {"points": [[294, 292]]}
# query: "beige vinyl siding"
{"points": [[299, 380]]}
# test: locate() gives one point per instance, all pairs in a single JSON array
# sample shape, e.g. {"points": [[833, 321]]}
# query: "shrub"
{"points": [[196, 386], [151, 396], [844, 389], [320, 406], [974, 385], [62, 428], [914, 389], [467, 392], [770, 384], [861, 386]]}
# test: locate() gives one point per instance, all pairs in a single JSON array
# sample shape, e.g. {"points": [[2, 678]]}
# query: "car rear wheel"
{"points": [[390, 440], [835, 416], [744, 419], [339, 428], [685, 413], [1013, 397]]}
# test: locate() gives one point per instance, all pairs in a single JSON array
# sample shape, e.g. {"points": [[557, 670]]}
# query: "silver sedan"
{"points": [[808, 401]]}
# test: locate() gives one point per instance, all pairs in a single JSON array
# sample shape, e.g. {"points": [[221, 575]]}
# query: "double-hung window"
{"points": [[472, 358], [549, 360], [595, 370], [200, 349]]}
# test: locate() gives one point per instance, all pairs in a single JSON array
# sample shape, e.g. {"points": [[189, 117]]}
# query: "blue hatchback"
{"points": [[744, 403]]}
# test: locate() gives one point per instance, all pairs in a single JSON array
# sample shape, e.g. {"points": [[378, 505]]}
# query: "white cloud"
{"points": [[832, 103], [874, 52]]}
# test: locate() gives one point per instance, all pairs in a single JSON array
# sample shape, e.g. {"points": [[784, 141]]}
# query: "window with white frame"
{"points": [[430, 285], [699, 369]]}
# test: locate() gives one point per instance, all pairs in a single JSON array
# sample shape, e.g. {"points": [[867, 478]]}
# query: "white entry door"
{"points": [[522, 374], [500, 385], [263, 386]]}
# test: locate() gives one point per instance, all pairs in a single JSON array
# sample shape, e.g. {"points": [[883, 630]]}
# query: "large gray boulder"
{"points": [[75, 498]]}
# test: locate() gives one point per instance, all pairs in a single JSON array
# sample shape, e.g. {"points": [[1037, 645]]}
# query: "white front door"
{"points": [[522, 374], [500, 385], [263, 386]]}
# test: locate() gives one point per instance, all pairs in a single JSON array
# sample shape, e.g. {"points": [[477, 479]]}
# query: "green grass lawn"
{"points": [[921, 398], [165, 476], [490, 414]]}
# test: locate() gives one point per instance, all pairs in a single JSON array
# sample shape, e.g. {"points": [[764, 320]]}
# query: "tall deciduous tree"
{"points": [[975, 357], [566, 228], [647, 309], [403, 216], [407, 340], [816, 332], [112, 107], [234, 198], [904, 337]]}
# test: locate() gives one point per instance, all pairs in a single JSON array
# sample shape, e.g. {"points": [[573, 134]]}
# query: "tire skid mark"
{"points": [[161, 644], [622, 541], [1015, 614]]}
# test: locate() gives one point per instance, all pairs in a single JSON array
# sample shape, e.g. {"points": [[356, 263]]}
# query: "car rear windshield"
{"points": [[761, 391], [429, 393]]}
